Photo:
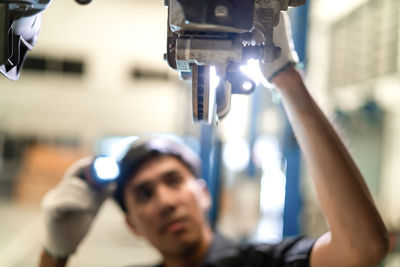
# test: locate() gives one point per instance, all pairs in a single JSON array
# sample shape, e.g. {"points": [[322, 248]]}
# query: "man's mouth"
{"points": [[174, 226]]}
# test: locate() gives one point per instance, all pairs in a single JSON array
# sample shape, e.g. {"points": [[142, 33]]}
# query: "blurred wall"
{"points": [[110, 38], [380, 87]]}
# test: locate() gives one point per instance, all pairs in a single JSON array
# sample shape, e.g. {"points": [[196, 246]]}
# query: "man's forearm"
{"points": [[48, 261], [354, 222]]}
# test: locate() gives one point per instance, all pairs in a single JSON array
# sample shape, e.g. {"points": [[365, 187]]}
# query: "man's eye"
{"points": [[173, 181], [143, 195]]}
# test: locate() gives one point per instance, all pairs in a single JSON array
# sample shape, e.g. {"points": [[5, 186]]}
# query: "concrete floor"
{"points": [[109, 242]]}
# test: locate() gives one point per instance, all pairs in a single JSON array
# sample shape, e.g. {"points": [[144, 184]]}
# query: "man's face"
{"points": [[166, 204]]}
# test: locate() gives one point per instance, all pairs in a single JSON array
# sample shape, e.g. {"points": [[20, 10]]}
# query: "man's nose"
{"points": [[166, 200]]}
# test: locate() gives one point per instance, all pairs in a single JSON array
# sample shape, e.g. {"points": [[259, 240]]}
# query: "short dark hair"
{"points": [[147, 148]]}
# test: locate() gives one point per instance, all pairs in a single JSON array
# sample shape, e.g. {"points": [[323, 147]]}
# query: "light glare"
{"points": [[247, 86], [236, 154], [106, 168], [253, 71], [214, 78]]}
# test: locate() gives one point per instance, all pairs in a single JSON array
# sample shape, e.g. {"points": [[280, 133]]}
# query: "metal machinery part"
{"points": [[223, 34], [83, 2], [19, 25]]}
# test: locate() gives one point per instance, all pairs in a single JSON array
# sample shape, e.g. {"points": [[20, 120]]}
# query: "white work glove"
{"points": [[69, 210], [282, 38]]}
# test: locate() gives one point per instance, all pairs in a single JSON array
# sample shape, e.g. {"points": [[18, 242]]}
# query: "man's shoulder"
{"points": [[292, 251]]}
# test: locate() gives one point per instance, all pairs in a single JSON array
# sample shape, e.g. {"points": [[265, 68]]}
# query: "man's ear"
{"points": [[132, 226], [205, 197]]}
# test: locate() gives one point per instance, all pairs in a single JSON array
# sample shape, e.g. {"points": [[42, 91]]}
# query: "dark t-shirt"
{"points": [[291, 252]]}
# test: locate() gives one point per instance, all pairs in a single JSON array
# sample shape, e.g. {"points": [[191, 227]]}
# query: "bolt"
{"points": [[221, 11]]}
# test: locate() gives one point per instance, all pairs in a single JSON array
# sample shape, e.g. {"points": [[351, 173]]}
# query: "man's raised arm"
{"points": [[357, 235]]}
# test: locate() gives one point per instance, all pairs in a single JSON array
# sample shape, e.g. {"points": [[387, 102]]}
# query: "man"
{"points": [[164, 202]]}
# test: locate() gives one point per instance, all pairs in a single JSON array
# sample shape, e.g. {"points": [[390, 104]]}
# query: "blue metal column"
{"points": [[210, 149], [291, 150], [257, 100]]}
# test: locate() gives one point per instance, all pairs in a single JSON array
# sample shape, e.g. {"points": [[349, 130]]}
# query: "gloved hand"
{"points": [[69, 210], [283, 39]]}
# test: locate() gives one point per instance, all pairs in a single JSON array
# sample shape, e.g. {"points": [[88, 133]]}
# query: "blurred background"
{"points": [[97, 75]]}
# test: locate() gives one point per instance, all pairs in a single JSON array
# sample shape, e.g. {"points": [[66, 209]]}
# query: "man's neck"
{"points": [[195, 257]]}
